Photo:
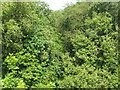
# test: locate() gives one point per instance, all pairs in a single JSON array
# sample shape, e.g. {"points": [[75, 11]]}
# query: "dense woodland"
{"points": [[72, 48]]}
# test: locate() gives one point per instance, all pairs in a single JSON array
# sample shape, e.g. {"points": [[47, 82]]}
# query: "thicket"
{"points": [[72, 48]]}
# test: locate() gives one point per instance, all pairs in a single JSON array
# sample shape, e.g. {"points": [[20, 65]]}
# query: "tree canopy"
{"points": [[72, 48]]}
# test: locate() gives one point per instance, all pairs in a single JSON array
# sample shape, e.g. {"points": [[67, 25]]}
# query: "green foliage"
{"points": [[89, 77], [73, 17], [72, 48], [100, 24], [19, 21], [12, 82], [12, 37], [26, 67], [99, 30]]}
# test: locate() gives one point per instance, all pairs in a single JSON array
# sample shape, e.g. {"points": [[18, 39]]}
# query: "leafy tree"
{"points": [[88, 77], [17, 18], [71, 48], [100, 31], [12, 38], [109, 7]]}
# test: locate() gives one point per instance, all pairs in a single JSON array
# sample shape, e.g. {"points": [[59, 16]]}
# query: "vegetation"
{"points": [[71, 48]]}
